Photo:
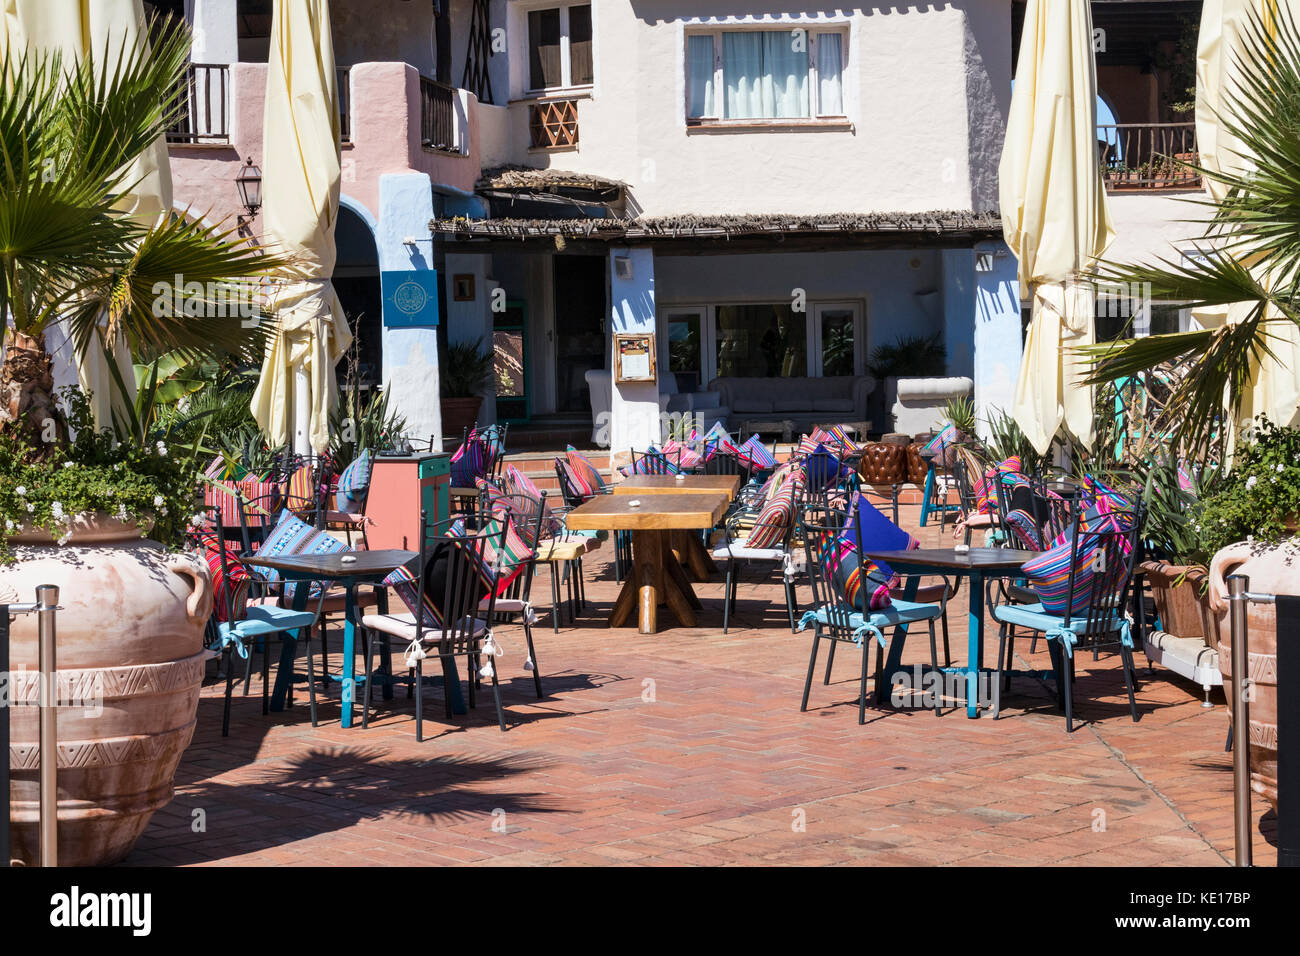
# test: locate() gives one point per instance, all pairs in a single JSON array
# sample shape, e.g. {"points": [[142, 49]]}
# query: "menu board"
{"points": [[634, 355]]}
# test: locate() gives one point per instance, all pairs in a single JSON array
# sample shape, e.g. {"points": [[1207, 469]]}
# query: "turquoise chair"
{"points": [[1096, 596], [834, 619]]}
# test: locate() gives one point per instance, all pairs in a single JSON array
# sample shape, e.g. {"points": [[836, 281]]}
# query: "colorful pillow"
{"points": [[878, 532], [1185, 482], [225, 590], [687, 458], [1049, 575], [426, 598], [773, 522], [512, 559], [354, 484], [859, 581], [833, 435], [1095, 491], [292, 535], [521, 484], [652, 462], [583, 466], [577, 482], [756, 454], [943, 445], [470, 461], [822, 468], [301, 492]]}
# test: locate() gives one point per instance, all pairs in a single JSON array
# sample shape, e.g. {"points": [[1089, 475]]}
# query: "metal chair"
{"points": [[835, 619], [527, 514], [1095, 607], [466, 612], [654, 462], [258, 621]]}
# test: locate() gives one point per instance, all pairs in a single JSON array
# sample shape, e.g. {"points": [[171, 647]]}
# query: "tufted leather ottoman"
{"points": [[916, 465], [883, 463]]}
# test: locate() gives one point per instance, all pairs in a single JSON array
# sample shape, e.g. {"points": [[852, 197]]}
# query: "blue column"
{"points": [[635, 421]]}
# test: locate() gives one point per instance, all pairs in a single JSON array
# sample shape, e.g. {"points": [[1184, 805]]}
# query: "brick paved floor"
{"points": [[689, 747]]}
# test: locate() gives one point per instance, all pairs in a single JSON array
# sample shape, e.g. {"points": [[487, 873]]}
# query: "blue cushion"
{"points": [[1034, 617], [900, 612], [878, 532], [262, 619], [354, 483]]}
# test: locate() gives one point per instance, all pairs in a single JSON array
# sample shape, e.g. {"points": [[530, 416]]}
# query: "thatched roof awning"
{"points": [[668, 228], [529, 178]]}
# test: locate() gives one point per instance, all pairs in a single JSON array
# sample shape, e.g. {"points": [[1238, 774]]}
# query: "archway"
{"points": [[356, 279]]}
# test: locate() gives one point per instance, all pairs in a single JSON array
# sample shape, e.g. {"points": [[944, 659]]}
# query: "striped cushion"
{"points": [[1049, 575], [859, 581], [513, 557], [521, 484], [943, 445], [292, 535], [354, 484], [1185, 482], [686, 457], [652, 462], [833, 435], [774, 520], [878, 532], [494, 494], [405, 584], [301, 493], [225, 591], [226, 495], [757, 454], [1095, 491], [470, 461], [577, 482], [583, 466]]}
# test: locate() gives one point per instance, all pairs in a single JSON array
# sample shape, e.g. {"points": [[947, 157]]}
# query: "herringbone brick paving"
{"points": [[688, 747]]}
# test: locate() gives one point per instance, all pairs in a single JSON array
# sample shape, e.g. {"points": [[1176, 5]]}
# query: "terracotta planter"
{"points": [[1272, 569], [458, 414], [1182, 600], [131, 661]]}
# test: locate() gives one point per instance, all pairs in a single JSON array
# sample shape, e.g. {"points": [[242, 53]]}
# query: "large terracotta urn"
{"points": [[1272, 569], [130, 665]]}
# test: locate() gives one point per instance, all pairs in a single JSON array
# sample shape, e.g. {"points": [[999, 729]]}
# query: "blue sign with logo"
{"points": [[410, 297]]}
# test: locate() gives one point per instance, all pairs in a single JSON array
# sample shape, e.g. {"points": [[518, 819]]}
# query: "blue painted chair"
{"points": [[256, 622], [1093, 607], [834, 619]]}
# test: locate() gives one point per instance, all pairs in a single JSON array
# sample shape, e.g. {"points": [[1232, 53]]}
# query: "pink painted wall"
{"points": [[385, 139]]}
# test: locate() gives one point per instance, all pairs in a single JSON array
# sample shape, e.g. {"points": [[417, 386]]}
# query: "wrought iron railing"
{"points": [[438, 116], [553, 124], [202, 103], [1148, 155]]}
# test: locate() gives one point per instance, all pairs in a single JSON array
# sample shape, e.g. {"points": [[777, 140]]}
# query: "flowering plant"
{"points": [[1259, 499], [140, 481]]}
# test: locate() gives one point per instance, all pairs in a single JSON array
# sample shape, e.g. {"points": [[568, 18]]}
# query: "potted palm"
{"points": [[1250, 264], [465, 374], [79, 495]]}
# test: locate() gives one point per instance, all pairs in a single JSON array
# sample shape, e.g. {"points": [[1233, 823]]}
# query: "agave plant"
{"points": [[69, 252], [1250, 251]]}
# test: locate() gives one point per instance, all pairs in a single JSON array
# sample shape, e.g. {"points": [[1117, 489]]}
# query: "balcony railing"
{"points": [[553, 124], [438, 116], [203, 105], [1148, 155], [345, 103]]}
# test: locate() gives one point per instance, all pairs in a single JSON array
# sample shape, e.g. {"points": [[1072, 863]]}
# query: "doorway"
{"points": [[580, 308]]}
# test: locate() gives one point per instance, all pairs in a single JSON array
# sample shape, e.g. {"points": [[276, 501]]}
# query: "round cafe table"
{"points": [[977, 564]]}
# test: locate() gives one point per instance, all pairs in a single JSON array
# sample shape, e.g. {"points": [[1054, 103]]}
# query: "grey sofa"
{"points": [[804, 401]]}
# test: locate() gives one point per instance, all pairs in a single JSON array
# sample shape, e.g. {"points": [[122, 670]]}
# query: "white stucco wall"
{"points": [[927, 88], [1151, 225]]}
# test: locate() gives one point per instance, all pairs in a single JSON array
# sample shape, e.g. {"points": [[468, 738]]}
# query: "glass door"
{"points": [[510, 348], [839, 338]]}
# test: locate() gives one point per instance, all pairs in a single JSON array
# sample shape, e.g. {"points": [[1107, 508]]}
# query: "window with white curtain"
{"points": [[746, 74]]}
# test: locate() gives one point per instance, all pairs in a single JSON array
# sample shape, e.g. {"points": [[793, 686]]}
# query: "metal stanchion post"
{"points": [[47, 601], [1237, 587]]}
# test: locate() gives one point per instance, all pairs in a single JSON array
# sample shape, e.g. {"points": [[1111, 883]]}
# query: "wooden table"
{"points": [[660, 523], [728, 485], [976, 564], [370, 567], [769, 426]]}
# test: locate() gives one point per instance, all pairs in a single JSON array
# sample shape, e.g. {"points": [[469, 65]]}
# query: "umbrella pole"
{"points": [[301, 410]]}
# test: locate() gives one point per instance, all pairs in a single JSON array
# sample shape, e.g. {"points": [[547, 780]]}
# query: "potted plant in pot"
{"points": [[465, 373], [78, 495], [1250, 523]]}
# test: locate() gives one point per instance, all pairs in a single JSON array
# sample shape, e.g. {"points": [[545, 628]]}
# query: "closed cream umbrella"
{"points": [[1054, 214], [103, 29], [1274, 385], [300, 189]]}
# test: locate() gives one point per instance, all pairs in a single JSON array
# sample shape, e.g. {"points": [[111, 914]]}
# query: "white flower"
{"points": [[157, 501], [196, 521], [9, 525], [1251, 482], [1279, 467], [56, 509], [117, 466], [67, 464], [30, 507], [20, 491], [121, 512], [162, 450]]}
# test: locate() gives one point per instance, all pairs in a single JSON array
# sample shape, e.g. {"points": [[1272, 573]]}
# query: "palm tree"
{"points": [[1250, 252], [68, 251]]}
